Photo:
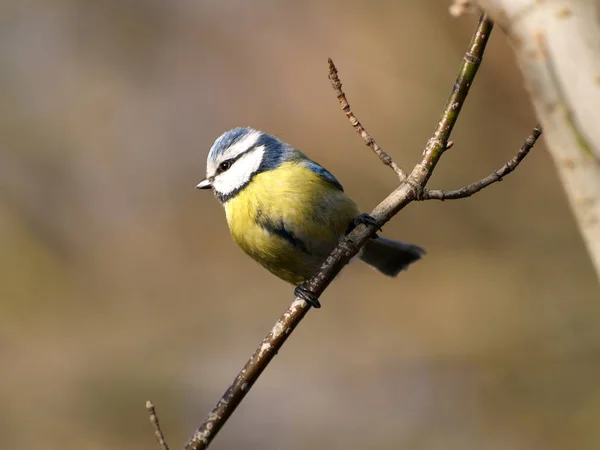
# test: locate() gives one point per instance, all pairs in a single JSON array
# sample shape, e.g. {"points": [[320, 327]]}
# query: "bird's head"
{"points": [[237, 156]]}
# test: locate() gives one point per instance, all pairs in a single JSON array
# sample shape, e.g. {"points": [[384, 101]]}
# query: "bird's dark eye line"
{"points": [[226, 165]]}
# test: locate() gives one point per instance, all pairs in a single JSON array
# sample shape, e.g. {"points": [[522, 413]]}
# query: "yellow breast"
{"points": [[289, 219]]}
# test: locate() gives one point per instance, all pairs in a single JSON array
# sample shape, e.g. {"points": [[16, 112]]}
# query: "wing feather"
{"points": [[323, 173]]}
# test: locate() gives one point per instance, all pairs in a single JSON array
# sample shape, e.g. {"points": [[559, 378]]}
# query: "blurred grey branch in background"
{"points": [[557, 45]]}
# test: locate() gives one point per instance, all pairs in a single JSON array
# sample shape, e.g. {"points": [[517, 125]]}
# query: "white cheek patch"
{"points": [[240, 172], [248, 141]]}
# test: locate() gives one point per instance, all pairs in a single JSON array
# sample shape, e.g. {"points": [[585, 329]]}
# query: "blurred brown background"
{"points": [[119, 281]]}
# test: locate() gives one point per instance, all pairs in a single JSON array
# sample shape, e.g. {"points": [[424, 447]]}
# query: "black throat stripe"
{"points": [[224, 197]]}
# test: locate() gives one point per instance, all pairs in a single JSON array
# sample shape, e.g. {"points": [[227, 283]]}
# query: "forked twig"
{"points": [[494, 177]]}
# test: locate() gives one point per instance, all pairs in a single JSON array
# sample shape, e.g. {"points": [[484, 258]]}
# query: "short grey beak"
{"points": [[204, 184]]}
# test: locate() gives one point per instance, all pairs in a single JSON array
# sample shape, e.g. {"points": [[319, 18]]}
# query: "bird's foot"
{"points": [[305, 294], [365, 219]]}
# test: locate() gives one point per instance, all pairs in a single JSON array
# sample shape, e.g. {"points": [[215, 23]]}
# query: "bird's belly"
{"points": [[289, 232], [275, 253]]}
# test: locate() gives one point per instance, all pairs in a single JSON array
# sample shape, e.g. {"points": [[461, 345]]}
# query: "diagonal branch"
{"points": [[349, 246], [157, 431], [498, 175], [364, 134]]}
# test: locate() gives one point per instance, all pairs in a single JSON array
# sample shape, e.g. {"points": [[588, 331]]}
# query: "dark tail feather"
{"points": [[390, 257]]}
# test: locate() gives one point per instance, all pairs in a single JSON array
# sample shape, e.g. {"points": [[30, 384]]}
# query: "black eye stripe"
{"points": [[231, 161]]}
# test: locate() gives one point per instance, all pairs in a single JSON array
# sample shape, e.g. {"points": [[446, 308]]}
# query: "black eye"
{"points": [[225, 165]]}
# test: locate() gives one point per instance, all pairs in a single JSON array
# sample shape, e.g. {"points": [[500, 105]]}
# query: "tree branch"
{"points": [[557, 45], [494, 177], [349, 246], [364, 134], [157, 431]]}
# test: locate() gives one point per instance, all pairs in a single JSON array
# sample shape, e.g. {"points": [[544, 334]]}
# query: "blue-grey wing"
{"points": [[323, 173]]}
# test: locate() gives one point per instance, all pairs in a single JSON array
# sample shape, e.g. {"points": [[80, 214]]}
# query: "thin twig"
{"points": [[350, 245], [495, 176], [154, 421], [364, 134]]}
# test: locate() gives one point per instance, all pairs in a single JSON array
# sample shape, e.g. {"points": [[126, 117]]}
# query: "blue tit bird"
{"points": [[287, 212]]}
